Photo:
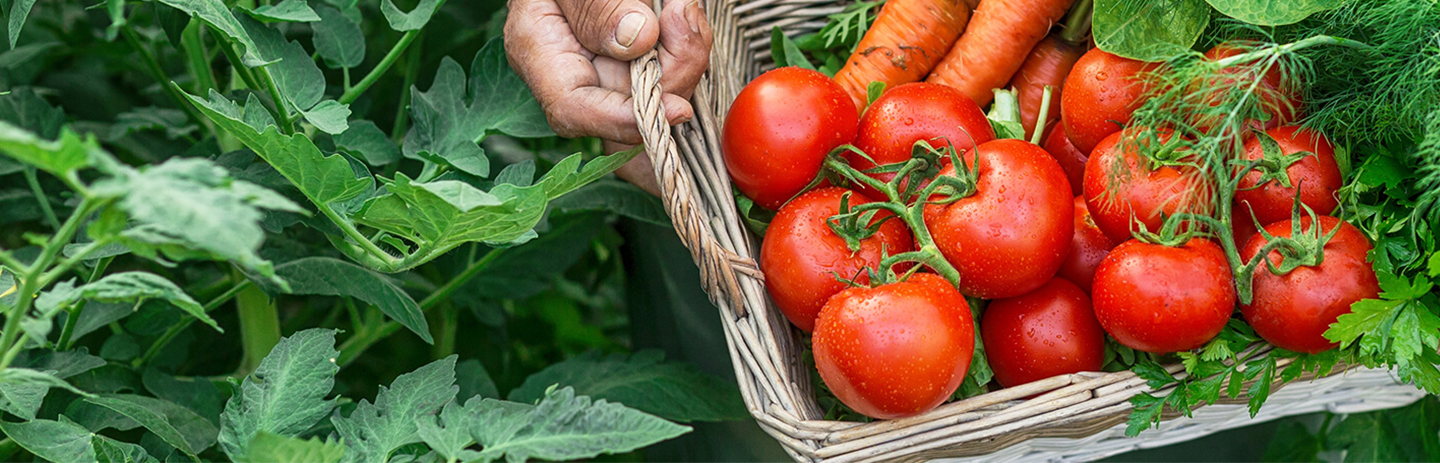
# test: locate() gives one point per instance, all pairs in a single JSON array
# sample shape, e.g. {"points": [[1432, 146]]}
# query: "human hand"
{"points": [[574, 55]]}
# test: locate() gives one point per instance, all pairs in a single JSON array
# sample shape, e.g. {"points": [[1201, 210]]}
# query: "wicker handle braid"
{"points": [[718, 265]]}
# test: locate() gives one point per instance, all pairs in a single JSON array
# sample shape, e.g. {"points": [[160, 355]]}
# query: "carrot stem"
{"points": [[1039, 134]]}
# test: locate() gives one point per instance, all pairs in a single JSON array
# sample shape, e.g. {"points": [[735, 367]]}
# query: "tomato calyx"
{"points": [[1301, 249], [909, 177], [855, 225], [1274, 164]]}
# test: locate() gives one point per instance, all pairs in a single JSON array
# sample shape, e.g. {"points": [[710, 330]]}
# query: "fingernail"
{"points": [[630, 26], [694, 16]]}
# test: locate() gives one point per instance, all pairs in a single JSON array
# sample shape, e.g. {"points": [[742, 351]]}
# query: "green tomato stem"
{"points": [[259, 326], [30, 277], [394, 54], [41, 198], [63, 343]]}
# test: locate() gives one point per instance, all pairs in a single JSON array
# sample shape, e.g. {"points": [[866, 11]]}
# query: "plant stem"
{"points": [[30, 277], [402, 113], [173, 331], [156, 72], [446, 324], [357, 344], [389, 60], [282, 112], [40, 198], [913, 215], [64, 343], [65, 265], [380, 260], [193, 44], [259, 326], [238, 66]]}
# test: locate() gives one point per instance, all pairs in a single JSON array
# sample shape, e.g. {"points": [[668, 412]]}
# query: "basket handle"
{"points": [[718, 265]]}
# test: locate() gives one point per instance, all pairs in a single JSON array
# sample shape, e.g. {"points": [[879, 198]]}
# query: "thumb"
{"points": [[620, 29]]}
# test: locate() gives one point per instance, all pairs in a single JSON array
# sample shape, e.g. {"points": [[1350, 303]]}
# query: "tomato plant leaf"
{"points": [[564, 426], [1293, 442], [338, 39], [454, 115], [187, 208], [643, 381], [19, 11], [197, 394], [286, 394], [365, 141], [109, 450], [127, 287], [299, 80], [21, 398], [451, 435], [1148, 30], [270, 448], [528, 269], [474, 380], [372, 431], [285, 11], [176, 425], [27, 110], [616, 196], [52, 440], [329, 116], [172, 121], [1272, 12], [333, 277], [61, 157], [415, 19], [216, 15], [323, 179]]}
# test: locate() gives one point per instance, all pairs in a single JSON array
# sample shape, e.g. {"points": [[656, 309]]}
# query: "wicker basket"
{"points": [[1072, 417]]}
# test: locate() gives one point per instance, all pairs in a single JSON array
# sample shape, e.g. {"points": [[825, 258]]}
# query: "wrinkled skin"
{"points": [[897, 350], [1047, 332], [1162, 299], [1011, 236], [1101, 93], [914, 112], [779, 130], [1088, 247], [1317, 177], [1292, 311], [574, 55], [801, 256], [1136, 191]]}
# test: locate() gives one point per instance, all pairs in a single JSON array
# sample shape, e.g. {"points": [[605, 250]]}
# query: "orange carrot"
{"points": [[904, 43], [1048, 64], [995, 44]]}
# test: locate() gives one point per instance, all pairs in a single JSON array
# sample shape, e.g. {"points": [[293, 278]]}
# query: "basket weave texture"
{"points": [[1072, 417]]}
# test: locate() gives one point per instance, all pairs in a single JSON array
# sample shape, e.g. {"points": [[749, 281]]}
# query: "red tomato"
{"points": [[1047, 332], [1137, 191], [1088, 247], [1279, 100], [1071, 159], [1011, 236], [1163, 299], [1101, 93], [917, 112], [1292, 311], [779, 130], [801, 255], [896, 350], [1317, 177]]}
